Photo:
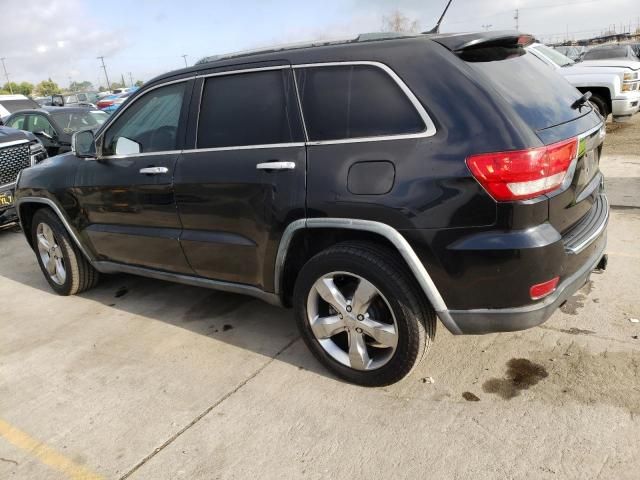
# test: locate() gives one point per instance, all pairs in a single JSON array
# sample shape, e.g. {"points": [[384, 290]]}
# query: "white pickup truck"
{"points": [[614, 83]]}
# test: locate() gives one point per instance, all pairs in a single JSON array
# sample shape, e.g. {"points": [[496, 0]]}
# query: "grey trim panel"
{"points": [[391, 234], [61, 216], [112, 267]]}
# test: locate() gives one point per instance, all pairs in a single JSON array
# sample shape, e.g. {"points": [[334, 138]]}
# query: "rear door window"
{"points": [[354, 101], [245, 109]]}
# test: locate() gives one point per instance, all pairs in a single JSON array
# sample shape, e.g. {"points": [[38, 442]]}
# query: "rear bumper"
{"points": [[474, 322]]}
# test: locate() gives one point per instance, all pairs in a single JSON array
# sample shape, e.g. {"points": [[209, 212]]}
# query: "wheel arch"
{"points": [[27, 207], [333, 230], [602, 92]]}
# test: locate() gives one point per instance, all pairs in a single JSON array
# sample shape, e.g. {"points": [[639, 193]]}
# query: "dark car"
{"points": [[18, 150], [54, 126], [604, 52], [372, 185]]}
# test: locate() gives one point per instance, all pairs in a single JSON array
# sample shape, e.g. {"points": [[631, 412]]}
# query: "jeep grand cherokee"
{"points": [[372, 185]]}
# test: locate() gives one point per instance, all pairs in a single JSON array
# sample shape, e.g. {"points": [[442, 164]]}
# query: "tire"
{"points": [[399, 314], [69, 272], [600, 104]]}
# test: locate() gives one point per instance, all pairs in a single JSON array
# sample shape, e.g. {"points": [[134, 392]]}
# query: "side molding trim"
{"points": [[63, 219], [417, 268], [114, 267]]}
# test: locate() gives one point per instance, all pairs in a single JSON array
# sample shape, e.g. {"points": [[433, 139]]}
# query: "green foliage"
{"points": [[24, 88], [80, 86], [46, 88], [139, 83]]}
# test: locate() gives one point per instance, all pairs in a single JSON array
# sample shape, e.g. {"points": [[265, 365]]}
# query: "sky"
{"points": [[140, 39]]}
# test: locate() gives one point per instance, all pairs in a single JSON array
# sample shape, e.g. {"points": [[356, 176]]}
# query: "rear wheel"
{"points": [[362, 315], [63, 265]]}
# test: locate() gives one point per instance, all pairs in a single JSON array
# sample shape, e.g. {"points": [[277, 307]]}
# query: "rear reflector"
{"points": [[541, 290], [523, 174]]}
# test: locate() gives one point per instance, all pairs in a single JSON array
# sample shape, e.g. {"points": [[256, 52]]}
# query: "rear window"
{"points": [[15, 105], [540, 96], [354, 101], [604, 53]]}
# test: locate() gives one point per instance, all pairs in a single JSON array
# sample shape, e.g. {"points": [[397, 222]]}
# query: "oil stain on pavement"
{"points": [[521, 375]]}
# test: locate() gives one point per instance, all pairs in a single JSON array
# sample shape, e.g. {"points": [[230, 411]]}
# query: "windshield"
{"points": [[71, 122], [608, 52], [553, 55]]}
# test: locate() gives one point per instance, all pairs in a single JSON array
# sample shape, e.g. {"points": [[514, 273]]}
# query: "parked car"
{"points": [[119, 100], [54, 126], [574, 52], [614, 83], [348, 181], [605, 52], [13, 103], [18, 150], [106, 101]]}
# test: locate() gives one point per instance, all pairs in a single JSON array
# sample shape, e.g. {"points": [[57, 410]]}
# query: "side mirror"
{"points": [[124, 146], [57, 101], [83, 144]]}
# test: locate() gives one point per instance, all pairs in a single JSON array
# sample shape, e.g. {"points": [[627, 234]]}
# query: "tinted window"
{"points": [[607, 52], [354, 101], [540, 96], [17, 122], [74, 121], [40, 123], [152, 121], [249, 109]]}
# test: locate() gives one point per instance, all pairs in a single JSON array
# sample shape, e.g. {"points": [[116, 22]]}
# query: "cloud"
{"points": [[57, 39]]}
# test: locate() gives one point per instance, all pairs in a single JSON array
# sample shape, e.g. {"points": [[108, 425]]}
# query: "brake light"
{"points": [[541, 290], [523, 174]]}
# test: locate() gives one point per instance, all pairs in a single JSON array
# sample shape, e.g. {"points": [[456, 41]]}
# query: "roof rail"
{"points": [[363, 37]]}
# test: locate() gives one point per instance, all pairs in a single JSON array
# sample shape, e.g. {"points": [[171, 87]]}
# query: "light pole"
{"points": [[6, 75], [185, 60], [105, 72]]}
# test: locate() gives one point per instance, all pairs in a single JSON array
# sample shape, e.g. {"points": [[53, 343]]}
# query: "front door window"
{"points": [[151, 122]]}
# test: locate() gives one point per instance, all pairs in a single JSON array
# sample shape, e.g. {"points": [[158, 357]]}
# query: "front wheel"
{"points": [[362, 315], [63, 265]]}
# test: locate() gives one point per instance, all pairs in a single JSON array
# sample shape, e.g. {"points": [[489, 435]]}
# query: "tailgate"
{"points": [[579, 194]]}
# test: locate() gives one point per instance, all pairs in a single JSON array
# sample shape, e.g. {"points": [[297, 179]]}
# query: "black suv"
{"points": [[372, 185], [18, 150]]}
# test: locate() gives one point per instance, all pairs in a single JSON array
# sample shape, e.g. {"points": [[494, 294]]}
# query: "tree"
{"points": [[80, 86], [139, 83], [46, 88], [396, 21], [24, 88]]}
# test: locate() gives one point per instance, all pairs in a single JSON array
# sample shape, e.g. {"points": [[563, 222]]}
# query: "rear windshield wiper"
{"points": [[581, 101]]}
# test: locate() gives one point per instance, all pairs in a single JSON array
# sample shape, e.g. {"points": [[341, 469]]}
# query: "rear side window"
{"points": [[245, 109], [354, 101]]}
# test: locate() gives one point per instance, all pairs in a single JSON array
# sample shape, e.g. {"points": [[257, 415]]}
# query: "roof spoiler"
{"points": [[467, 41]]}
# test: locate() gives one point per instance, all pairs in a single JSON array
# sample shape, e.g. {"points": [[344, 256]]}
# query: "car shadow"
{"points": [[234, 319]]}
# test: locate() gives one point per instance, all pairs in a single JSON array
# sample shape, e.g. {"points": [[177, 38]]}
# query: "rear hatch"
{"points": [[545, 101]]}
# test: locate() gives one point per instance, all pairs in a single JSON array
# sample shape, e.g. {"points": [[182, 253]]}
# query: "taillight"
{"points": [[541, 290], [523, 174]]}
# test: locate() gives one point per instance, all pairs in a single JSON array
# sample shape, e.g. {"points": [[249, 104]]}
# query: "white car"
{"points": [[614, 83]]}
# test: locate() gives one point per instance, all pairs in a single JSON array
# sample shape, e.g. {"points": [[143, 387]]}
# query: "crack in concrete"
{"points": [[227, 395]]}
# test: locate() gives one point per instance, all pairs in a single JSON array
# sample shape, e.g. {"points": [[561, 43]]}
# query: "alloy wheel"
{"points": [[51, 254], [352, 321]]}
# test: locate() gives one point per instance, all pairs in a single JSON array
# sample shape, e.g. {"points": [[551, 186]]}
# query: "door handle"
{"points": [[154, 170], [276, 166]]}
